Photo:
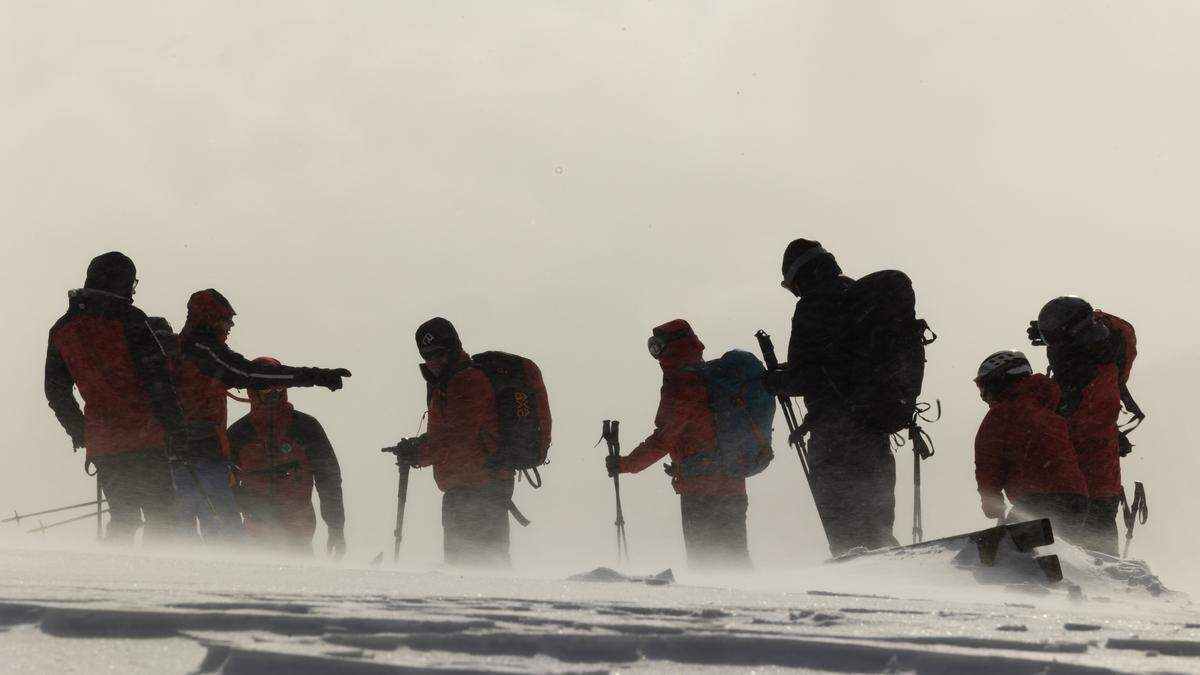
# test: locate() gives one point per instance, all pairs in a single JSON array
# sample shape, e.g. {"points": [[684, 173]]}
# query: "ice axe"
{"points": [[401, 500]]}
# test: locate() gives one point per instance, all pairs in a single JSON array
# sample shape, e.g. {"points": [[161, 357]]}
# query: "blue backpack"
{"points": [[743, 412]]}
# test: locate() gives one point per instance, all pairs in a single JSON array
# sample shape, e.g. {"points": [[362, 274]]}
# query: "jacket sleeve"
{"points": [[59, 394], [153, 369], [991, 464], [1094, 423], [327, 474], [812, 334], [675, 412], [218, 361]]}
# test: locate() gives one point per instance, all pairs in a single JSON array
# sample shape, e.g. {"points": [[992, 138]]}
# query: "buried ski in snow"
{"points": [[1025, 537]]}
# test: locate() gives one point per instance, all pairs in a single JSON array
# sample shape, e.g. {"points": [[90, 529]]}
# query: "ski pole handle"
{"points": [[768, 349]]}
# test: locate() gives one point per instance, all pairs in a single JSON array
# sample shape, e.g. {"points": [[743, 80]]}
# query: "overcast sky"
{"points": [[558, 178]]}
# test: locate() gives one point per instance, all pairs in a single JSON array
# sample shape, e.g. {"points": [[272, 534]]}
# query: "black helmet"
{"points": [[805, 259], [112, 272], [1003, 364], [1070, 320]]}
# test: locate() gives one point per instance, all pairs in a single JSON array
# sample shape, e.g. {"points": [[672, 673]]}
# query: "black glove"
{"points": [[335, 546], [775, 381], [1035, 334], [408, 451], [613, 464], [797, 436], [330, 378]]}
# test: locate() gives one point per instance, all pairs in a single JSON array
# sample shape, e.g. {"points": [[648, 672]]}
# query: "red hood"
{"points": [[1038, 388], [263, 414], [681, 352], [205, 309]]}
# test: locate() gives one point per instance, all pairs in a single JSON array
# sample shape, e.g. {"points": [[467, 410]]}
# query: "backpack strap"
{"points": [[517, 515], [535, 481]]}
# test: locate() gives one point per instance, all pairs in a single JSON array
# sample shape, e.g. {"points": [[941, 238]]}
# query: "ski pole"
{"points": [[611, 435], [922, 449], [43, 528], [789, 415], [17, 517], [918, 532], [99, 519], [1133, 514], [401, 500]]}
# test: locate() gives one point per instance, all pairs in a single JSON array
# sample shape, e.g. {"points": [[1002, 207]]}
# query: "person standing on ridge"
{"points": [[1086, 359], [132, 418], [853, 469], [205, 370], [712, 507], [279, 454], [463, 444], [1023, 448]]}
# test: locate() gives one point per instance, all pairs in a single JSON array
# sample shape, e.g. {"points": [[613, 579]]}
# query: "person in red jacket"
{"points": [[1023, 449], [476, 498], [713, 507], [132, 417], [1083, 356], [204, 371], [279, 454]]}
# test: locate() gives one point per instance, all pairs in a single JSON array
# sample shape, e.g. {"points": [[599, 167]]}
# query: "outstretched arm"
{"points": [[218, 361]]}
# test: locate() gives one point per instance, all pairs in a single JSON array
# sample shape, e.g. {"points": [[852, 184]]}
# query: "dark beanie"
{"points": [[437, 335], [112, 272], [799, 259]]}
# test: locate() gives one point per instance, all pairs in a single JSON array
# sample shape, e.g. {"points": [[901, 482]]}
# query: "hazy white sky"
{"points": [[558, 178]]}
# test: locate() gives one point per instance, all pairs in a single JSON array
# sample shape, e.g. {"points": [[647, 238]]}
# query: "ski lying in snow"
{"points": [[1025, 536]]}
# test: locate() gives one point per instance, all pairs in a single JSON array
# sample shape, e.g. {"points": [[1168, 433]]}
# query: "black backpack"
{"points": [[881, 351], [524, 437]]}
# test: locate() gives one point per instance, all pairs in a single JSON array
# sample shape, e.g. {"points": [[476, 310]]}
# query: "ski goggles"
{"points": [[657, 344], [801, 260]]}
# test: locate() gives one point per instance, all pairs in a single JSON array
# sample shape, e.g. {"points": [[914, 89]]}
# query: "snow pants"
{"points": [[714, 532], [1066, 512], [854, 484], [203, 495], [475, 524], [1100, 527], [137, 485]]}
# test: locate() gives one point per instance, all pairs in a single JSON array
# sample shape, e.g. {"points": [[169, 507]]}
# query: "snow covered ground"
{"points": [[99, 610]]}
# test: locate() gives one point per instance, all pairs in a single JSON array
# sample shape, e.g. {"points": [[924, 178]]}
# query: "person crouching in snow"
{"points": [[1023, 448], [713, 507], [279, 454]]}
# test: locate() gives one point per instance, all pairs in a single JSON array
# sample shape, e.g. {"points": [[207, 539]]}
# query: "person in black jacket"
{"points": [[133, 418], [279, 454], [853, 470]]}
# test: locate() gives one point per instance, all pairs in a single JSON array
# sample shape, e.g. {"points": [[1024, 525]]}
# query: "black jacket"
{"points": [[813, 350]]}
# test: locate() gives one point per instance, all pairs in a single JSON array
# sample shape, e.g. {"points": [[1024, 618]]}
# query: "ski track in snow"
{"points": [[96, 610]]}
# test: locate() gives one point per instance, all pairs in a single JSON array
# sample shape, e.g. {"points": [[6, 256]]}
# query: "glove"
{"points": [[1035, 335], [797, 436], [613, 464], [775, 381], [408, 451], [330, 378], [335, 546], [993, 505]]}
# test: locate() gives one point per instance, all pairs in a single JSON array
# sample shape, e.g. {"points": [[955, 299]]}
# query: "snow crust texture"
{"points": [[97, 610]]}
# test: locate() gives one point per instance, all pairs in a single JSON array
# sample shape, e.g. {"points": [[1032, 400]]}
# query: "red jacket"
{"points": [[103, 346], [206, 368], [1023, 446], [462, 420], [1093, 426], [281, 454], [684, 424]]}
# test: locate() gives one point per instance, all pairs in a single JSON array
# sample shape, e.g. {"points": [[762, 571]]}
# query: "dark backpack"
{"points": [[881, 351], [743, 413], [524, 437]]}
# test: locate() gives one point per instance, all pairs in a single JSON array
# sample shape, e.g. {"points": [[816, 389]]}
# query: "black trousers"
{"points": [[714, 532], [854, 484], [137, 485], [1100, 527], [475, 524], [1066, 512]]}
